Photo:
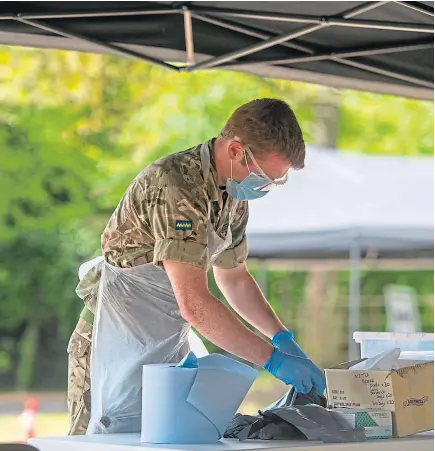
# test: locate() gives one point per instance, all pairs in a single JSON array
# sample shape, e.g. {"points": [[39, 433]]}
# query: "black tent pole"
{"points": [[347, 53], [105, 45], [417, 6], [212, 62]]}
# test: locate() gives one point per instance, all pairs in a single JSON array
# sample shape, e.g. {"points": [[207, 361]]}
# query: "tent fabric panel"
{"points": [[383, 202], [339, 242]]}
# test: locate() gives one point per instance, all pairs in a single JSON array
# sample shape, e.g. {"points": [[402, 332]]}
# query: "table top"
{"points": [[130, 442]]}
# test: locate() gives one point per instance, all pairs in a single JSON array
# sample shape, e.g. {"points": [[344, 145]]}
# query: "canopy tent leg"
{"points": [[354, 303]]}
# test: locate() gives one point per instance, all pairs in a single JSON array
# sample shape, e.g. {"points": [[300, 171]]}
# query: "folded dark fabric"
{"points": [[306, 418]]}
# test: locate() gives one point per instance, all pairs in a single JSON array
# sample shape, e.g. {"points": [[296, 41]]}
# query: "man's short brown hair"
{"points": [[268, 126]]}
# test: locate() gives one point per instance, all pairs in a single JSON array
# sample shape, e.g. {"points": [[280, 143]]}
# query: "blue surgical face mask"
{"points": [[248, 188], [254, 185]]}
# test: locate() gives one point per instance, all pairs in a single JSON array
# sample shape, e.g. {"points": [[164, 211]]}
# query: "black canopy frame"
{"points": [[56, 22]]}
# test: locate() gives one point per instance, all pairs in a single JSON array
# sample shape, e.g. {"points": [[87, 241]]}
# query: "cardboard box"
{"points": [[408, 393], [377, 424]]}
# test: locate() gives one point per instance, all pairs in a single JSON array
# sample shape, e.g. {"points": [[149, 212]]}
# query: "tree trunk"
{"points": [[28, 351], [320, 320], [327, 110]]}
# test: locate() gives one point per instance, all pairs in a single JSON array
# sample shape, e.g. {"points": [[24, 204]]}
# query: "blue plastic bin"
{"points": [[373, 343]]}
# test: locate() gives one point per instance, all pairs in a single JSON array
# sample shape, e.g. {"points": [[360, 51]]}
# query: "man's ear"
{"points": [[235, 150]]}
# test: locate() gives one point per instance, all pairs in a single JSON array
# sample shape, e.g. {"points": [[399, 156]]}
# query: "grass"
{"points": [[47, 424]]}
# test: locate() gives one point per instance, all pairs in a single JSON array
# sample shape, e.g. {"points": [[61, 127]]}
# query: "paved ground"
{"points": [[52, 417], [12, 403], [264, 391]]}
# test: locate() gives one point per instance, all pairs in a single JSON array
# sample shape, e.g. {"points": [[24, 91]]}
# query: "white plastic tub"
{"points": [[417, 355], [373, 343]]}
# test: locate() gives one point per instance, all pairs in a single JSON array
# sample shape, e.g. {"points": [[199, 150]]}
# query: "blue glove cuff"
{"points": [[271, 364], [283, 334]]}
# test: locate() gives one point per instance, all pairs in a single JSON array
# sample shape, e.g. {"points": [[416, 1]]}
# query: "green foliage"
{"points": [[76, 128], [386, 125], [43, 173]]}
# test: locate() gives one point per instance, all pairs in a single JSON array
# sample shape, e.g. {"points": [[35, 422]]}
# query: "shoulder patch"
{"points": [[183, 225]]}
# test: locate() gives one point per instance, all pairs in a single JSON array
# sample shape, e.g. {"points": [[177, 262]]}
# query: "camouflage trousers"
{"points": [[79, 381]]}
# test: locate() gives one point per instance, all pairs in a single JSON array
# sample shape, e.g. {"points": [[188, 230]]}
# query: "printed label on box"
{"points": [[375, 390], [415, 402], [408, 393], [376, 424]]}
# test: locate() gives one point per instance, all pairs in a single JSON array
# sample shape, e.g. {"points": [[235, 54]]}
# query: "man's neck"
{"points": [[221, 160]]}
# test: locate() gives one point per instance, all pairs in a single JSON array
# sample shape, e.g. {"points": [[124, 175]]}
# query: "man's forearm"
{"points": [[246, 298], [211, 317], [219, 325]]}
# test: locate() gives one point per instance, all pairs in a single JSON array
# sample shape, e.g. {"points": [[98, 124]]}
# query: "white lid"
{"points": [[414, 336], [416, 355]]}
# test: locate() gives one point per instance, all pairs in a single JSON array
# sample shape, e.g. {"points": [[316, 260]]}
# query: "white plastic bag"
{"points": [[86, 266], [386, 361], [196, 345]]}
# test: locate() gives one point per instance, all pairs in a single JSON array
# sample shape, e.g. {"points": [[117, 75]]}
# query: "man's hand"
{"points": [[210, 317], [284, 342], [297, 371], [245, 296]]}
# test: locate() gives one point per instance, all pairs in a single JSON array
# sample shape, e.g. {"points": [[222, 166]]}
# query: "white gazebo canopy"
{"points": [[385, 203]]}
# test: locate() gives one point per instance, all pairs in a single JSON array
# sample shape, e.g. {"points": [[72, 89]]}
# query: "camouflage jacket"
{"points": [[147, 225]]}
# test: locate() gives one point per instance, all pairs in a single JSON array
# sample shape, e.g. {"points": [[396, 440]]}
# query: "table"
{"points": [[131, 442]]}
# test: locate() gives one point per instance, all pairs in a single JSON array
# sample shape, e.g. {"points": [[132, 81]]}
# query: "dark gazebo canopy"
{"points": [[381, 46]]}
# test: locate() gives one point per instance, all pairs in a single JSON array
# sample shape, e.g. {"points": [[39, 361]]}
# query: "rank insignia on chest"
{"points": [[183, 225]]}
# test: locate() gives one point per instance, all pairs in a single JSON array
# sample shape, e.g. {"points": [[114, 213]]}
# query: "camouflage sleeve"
{"points": [[87, 288], [178, 218], [237, 253]]}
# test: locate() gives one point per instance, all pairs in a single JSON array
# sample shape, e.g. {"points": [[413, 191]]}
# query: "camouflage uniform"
{"points": [[79, 354], [143, 229]]}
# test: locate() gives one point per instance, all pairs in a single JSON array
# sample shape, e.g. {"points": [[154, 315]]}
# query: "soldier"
{"points": [[182, 215]]}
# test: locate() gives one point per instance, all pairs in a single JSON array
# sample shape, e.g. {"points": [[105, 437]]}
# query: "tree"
{"points": [[76, 128], [46, 183]]}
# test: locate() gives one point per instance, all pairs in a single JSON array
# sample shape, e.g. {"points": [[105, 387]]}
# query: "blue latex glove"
{"points": [[297, 371], [189, 361], [284, 342]]}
